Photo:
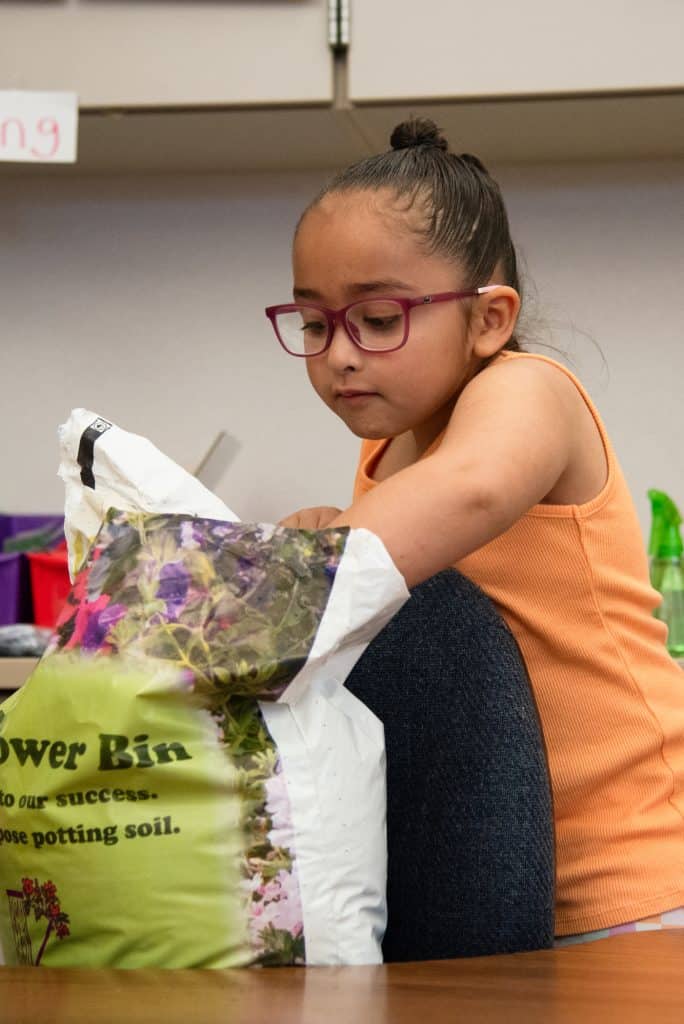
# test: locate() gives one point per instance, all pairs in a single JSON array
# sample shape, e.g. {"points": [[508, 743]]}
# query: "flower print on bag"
{"points": [[240, 606], [38, 901], [236, 607]]}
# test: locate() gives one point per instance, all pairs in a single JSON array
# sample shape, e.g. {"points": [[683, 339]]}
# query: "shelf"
{"points": [[15, 671], [207, 141], [518, 130], [545, 129]]}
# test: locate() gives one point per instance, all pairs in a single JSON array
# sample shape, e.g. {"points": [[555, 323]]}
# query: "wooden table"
{"points": [[628, 979]]}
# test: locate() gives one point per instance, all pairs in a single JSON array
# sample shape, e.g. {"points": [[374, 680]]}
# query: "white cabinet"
{"points": [[237, 85], [446, 49], [169, 53]]}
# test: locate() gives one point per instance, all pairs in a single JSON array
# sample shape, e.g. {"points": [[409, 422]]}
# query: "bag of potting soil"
{"points": [[184, 780]]}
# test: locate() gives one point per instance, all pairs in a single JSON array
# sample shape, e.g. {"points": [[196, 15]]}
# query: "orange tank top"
{"points": [[572, 583]]}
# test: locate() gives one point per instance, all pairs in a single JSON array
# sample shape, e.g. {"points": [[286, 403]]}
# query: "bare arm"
{"points": [[508, 443]]}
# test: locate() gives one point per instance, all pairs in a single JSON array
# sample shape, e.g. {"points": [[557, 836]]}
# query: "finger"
{"points": [[291, 521]]}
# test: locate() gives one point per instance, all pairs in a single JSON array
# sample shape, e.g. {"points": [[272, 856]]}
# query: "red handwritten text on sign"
{"points": [[38, 126], [41, 140]]}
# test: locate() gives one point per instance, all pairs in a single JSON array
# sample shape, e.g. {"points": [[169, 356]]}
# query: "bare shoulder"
{"points": [[530, 371], [525, 382], [537, 402]]}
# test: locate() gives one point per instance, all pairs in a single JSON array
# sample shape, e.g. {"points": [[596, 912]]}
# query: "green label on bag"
{"points": [[120, 822]]}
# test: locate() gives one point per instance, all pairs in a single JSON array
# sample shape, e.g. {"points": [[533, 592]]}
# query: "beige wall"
{"points": [[142, 299]]}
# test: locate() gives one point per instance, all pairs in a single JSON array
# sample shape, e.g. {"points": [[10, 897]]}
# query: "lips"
{"points": [[349, 393]]}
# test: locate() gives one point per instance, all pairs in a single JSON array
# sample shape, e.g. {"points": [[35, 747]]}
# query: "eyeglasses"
{"points": [[374, 325]]}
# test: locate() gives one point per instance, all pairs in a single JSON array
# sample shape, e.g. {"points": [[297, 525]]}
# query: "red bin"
{"points": [[50, 584]]}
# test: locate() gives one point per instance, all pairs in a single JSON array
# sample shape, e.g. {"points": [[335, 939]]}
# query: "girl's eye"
{"points": [[381, 323], [314, 327]]}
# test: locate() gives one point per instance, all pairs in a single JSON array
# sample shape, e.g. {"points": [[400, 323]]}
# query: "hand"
{"points": [[311, 518]]}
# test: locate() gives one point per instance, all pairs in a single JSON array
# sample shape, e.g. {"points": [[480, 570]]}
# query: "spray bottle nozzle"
{"points": [[665, 540]]}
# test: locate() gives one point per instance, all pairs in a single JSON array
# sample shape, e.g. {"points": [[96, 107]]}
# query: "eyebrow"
{"points": [[359, 288]]}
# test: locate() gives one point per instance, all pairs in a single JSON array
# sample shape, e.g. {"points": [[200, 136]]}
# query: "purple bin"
{"points": [[15, 584], [15, 590]]}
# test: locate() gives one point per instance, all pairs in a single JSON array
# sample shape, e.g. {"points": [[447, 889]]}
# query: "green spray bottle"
{"points": [[667, 568]]}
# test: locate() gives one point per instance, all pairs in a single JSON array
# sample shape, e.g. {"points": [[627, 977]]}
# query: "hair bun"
{"points": [[417, 131]]}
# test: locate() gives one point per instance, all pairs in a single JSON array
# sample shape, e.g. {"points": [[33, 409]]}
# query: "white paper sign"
{"points": [[38, 127]]}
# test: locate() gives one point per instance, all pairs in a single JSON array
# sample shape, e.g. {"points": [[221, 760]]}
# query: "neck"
{"points": [[405, 449], [426, 433]]}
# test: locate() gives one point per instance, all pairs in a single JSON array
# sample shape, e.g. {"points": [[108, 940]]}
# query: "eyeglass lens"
{"points": [[376, 324]]}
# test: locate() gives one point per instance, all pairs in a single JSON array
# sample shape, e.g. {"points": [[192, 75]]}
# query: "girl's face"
{"points": [[358, 245]]}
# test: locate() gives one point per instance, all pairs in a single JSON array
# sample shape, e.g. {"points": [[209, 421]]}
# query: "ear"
{"points": [[493, 320]]}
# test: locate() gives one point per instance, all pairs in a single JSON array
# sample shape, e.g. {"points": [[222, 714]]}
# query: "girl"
{"points": [[480, 456]]}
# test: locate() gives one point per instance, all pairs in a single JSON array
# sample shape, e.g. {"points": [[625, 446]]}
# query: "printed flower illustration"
{"points": [[237, 604], [42, 900], [236, 608], [174, 583], [103, 616]]}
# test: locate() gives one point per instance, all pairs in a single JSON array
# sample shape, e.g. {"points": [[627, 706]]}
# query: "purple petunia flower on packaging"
{"points": [[174, 582], [99, 624]]}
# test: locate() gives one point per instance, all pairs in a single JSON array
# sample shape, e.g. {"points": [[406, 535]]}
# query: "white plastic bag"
{"points": [[325, 793], [132, 475]]}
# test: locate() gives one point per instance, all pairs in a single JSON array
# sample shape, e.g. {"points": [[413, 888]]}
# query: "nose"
{"points": [[343, 354]]}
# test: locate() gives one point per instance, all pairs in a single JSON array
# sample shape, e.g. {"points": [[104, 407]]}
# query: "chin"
{"points": [[366, 431]]}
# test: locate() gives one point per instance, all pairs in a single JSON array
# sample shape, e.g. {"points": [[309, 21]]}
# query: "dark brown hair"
{"points": [[462, 210]]}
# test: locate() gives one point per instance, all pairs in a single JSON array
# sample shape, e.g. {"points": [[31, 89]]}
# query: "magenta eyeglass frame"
{"points": [[339, 316]]}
